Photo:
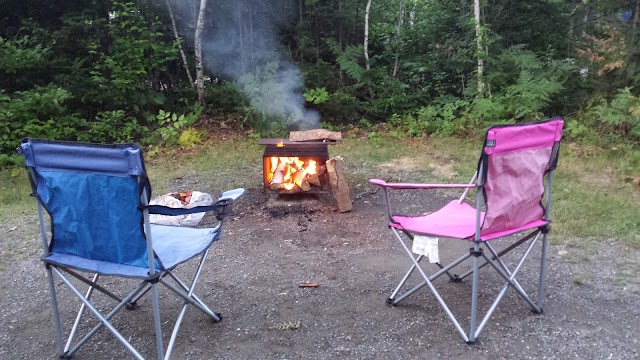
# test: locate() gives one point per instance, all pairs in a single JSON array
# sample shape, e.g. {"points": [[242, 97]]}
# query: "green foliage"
{"points": [[223, 97], [171, 126], [190, 137], [37, 113], [622, 113], [340, 108], [126, 76], [575, 130], [317, 95], [523, 87], [21, 54], [115, 126], [348, 59], [102, 70], [439, 118]]}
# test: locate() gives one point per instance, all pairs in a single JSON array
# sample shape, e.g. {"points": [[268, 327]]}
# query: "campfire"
{"points": [[301, 164], [291, 167], [290, 172]]}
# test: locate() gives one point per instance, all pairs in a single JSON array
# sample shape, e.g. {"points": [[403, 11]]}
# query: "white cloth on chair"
{"points": [[427, 246]]}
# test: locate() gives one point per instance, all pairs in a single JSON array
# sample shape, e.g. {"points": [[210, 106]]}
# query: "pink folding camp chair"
{"points": [[510, 184]]}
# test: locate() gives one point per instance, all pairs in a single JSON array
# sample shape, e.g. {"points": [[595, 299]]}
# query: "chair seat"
{"points": [[454, 220], [172, 244], [176, 244]]}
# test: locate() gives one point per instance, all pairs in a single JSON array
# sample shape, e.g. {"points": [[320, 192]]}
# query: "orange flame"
{"points": [[290, 172], [280, 144]]}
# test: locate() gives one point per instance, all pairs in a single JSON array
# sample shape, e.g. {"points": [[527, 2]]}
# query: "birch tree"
{"points": [[198, 52], [366, 35], [396, 65], [476, 12], [180, 48]]}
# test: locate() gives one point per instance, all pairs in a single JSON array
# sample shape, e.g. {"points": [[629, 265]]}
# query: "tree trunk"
{"points": [[198, 52], [180, 48], [396, 66], [585, 21], [366, 35], [479, 49], [301, 10], [636, 19]]}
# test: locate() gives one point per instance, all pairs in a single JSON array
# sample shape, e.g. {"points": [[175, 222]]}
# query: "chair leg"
{"points": [[481, 259], [477, 251], [157, 321], [74, 328], [215, 316], [510, 277], [104, 320], [56, 313], [390, 300], [190, 298], [543, 263], [435, 293]]}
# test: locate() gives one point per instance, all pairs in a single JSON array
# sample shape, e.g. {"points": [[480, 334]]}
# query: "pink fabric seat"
{"points": [[512, 186], [454, 220]]}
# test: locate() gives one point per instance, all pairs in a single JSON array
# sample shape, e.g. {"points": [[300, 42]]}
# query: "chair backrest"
{"points": [[93, 195], [515, 160]]}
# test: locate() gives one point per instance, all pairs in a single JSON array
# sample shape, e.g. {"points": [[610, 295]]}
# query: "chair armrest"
{"points": [[227, 198], [411, 186]]}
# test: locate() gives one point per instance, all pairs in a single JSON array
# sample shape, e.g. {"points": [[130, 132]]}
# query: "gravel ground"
{"points": [[273, 245]]}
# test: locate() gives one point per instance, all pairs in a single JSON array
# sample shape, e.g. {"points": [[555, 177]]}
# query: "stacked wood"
{"points": [[339, 185], [315, 135], [314, 179], [300, 179], [278, 177]]}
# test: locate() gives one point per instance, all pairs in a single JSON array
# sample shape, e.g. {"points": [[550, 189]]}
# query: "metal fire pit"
{"points": [[308, 150]]}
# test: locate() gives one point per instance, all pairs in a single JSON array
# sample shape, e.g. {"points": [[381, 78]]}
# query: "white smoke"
{"points": [[240, 44]]}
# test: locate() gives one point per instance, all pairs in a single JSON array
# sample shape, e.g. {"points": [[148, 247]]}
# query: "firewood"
{"points": [[339, 185], [314, 179], [278, 177], [315, 134], [299, 178]]}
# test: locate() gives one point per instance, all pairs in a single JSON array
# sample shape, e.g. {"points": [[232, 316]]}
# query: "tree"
{"points": [[479, 48], [183, 56], [366, 35], [198, 52], [396, 65]]}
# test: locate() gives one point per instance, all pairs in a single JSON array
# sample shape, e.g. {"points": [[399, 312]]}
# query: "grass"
{"points": [[592, 195], [14, 193]]}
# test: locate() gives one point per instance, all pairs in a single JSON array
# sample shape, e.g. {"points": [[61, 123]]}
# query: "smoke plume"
{"points": [[241, 44]]}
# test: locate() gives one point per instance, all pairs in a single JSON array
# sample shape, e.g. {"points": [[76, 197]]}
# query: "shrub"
{"points": [[39, 112]]}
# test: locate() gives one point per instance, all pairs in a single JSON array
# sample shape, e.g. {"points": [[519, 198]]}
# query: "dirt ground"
{"points": [[273, 245]]}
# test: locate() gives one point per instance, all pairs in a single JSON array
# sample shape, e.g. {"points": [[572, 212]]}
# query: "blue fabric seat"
{"points": [[97, 198]]}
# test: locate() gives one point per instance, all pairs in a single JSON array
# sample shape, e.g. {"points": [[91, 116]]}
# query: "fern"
{"points": [[525, 96], [348, 59], [623, 112]]}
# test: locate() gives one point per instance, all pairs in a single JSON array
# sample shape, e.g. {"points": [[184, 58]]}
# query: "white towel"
{"points": [[427, 246]]}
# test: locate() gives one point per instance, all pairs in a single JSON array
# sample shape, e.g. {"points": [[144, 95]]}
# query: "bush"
{"points": [[37, 113], [223, 97]]}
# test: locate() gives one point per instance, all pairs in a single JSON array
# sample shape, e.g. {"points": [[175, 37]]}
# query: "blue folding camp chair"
{"points": [[516, 162], [97, 197]]}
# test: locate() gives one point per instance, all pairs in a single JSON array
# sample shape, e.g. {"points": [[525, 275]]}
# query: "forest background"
{"points": [[165, 73]]}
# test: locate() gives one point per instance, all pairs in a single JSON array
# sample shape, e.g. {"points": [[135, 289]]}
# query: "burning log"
{"points": [[315, 134], [314, 179], [278, 177], [300, 179], [339, 184]]}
